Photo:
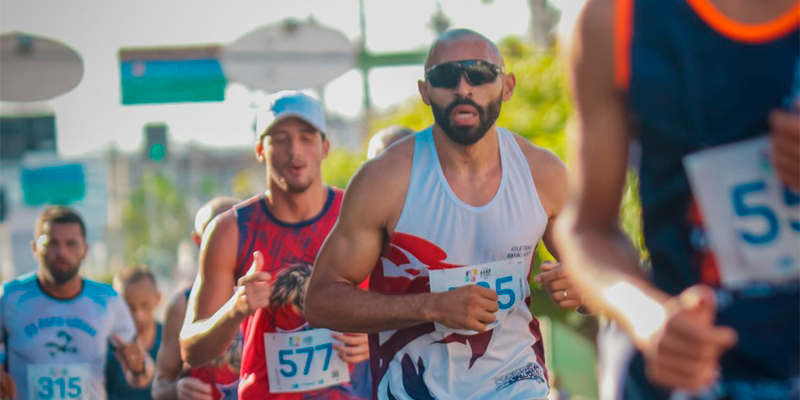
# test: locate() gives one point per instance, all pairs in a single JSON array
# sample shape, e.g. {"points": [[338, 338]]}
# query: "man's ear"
{"points": [[423, 91], [326, 147], [509, 83], [260, 150], [85, 249]]}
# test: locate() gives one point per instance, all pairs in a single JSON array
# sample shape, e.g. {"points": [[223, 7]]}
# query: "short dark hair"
{"points": [[134, 274], [58, 215]]}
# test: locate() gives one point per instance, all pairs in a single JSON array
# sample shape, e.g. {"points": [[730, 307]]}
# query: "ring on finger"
{"points": [[565, 294]]}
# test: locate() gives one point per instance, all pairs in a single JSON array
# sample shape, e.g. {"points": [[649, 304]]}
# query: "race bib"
{"points": [[752, 222], [506, 277], [303, 361], [58, 381]]}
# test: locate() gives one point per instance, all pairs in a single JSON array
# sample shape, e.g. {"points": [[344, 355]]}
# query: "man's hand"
{"points": [[556, 283], [354, 347], [130, 355], [8, 390], [469, 307], [684, 353], [785, 141], [193, 389], [254, 288]]}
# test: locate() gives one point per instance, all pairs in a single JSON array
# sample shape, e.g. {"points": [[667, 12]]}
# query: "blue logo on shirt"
{"points": [[64, 347], [56, 322]]}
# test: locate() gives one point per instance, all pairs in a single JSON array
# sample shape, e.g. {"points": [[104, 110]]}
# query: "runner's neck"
{"points": [[296, 207], [65, 291], [147, 336], [477, 158]]}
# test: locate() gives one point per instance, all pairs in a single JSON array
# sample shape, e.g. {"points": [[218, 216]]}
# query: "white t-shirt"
{"points": [[56, 349]]}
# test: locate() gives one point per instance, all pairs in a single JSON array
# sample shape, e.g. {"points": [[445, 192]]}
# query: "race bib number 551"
{"points": [[57, 381], [506, 277], [752, 221], [303, 361]]}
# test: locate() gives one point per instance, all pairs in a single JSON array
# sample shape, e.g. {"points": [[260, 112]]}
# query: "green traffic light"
{"points": [[157, 152]]}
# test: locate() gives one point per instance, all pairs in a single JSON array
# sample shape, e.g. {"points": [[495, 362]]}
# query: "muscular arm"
{"points": [[211, 321], [352, 249], [348, 256], [168, 361], [678, 335], [597, 251], [550, 176]]}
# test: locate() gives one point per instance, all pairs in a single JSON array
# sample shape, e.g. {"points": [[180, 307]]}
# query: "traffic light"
{"points": [[156, 146]]}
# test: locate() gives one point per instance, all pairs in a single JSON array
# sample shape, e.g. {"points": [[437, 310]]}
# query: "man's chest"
{"points": [[57, 334]]}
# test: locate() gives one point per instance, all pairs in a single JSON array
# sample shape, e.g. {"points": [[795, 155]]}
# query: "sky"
{"points": [[90, 118]]}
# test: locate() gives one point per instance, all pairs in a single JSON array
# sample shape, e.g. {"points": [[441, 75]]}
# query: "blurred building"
{"points": [[99, 186]]}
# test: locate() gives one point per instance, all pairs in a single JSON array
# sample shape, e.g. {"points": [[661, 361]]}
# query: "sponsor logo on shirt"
{"points": [[530, 371], [63, 347]]}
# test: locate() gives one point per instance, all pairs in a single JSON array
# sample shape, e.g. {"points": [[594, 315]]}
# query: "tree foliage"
{"points": [[155, 220]]}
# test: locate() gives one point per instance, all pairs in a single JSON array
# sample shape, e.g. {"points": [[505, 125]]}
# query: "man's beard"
{"points": [[61, 276], [296, 188], [467, 135]]}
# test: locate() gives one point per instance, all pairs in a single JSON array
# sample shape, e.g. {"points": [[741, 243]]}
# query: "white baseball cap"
{"points": [[290, 104]]}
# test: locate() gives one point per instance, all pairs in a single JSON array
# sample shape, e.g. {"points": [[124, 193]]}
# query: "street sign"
{"points": [[171, 75], [289, 55], [36, 68], [23, 133], [53, 184]]}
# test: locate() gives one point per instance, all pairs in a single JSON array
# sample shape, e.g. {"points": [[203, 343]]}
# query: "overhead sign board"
{"points": [[289, 55], [171, 75], [36, 68], [53, 184]]}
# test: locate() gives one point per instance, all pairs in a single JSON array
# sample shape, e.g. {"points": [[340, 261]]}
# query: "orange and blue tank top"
{"points": [[695, 79]]}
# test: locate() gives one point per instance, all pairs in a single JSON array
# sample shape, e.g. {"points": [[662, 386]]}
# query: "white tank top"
{"points": [[436, 230]]}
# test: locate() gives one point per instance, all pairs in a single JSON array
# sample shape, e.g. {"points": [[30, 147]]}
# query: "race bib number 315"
{"points": [[751, 220], [57, 381], [506, 277], [303, 361]]}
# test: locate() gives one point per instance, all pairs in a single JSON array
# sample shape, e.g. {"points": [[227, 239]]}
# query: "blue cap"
{"points": [[290, 104]]}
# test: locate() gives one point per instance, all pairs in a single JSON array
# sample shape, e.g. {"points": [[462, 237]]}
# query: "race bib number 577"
{"points": [[303, 361], [752, 221], [57, 381]]}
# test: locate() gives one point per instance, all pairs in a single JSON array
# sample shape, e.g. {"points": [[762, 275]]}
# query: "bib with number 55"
{"points": [[752, 221], [506, 277]]}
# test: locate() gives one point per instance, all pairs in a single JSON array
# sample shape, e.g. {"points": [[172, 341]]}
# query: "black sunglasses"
{"points": [[446, 75]]}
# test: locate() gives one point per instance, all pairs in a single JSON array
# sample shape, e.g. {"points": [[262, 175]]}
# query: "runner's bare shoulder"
{"points": [[381, 183], [549, 174]]}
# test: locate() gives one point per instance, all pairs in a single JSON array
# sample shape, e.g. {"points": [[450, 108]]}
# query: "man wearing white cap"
{"points": [[266, 246]]}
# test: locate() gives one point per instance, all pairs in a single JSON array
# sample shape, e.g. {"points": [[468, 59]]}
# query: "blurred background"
{"points": [[136, 113]]}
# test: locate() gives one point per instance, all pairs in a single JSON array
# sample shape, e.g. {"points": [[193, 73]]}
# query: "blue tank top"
{"points": [[692, 83]]}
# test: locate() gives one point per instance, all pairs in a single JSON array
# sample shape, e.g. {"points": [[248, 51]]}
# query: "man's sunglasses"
{"points": [[446, 75]]}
